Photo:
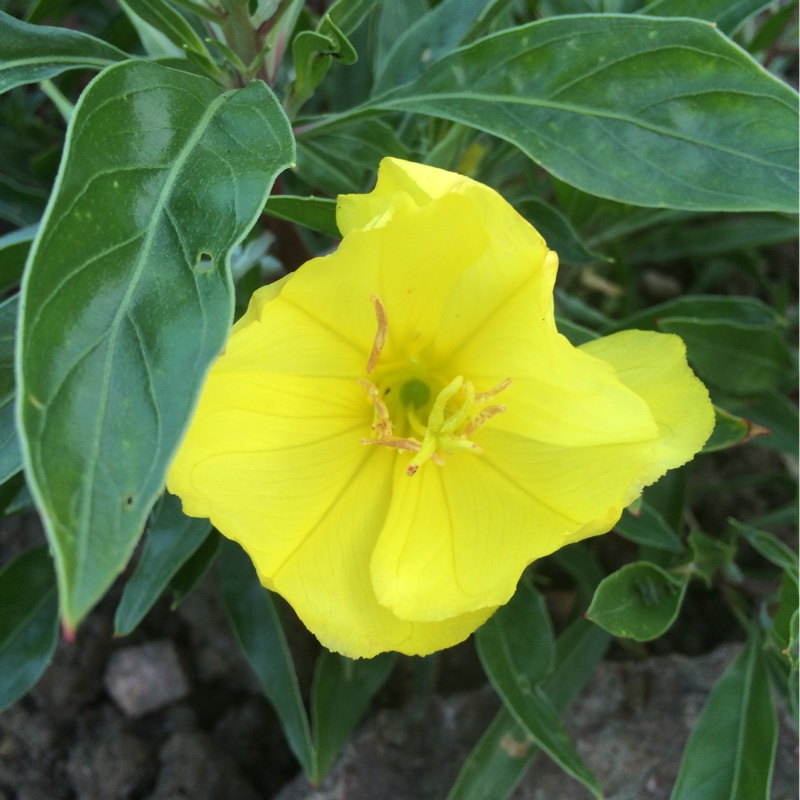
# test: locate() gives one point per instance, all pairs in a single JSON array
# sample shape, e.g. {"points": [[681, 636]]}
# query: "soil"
{"points": [[173, 712]]}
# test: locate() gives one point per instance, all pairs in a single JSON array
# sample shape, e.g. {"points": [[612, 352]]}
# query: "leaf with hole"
{"points": [[127, 299]]}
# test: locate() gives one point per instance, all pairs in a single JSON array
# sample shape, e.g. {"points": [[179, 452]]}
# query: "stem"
{"points": [[64, 107], [238, 30]]}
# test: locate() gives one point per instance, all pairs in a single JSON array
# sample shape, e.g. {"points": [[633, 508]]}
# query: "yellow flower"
{"points": [[397, 430]]}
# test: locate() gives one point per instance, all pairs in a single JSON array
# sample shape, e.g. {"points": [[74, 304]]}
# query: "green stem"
{"points": [[65, 108], [238, 30]]}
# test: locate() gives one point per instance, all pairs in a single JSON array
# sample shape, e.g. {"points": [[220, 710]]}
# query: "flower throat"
{"points": [[456, 413]]}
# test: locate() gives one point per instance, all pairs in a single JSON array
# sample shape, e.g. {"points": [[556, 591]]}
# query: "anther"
{"points": [[483, 397], [382, 425], [380, 336]]}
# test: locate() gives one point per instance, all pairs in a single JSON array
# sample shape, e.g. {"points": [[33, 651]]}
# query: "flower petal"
{"points": [[654, 366], [327, 578], [559, 394], [457, 538]]}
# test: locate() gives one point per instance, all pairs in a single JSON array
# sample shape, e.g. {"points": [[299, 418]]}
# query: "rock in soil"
{"points": [[145, 678]]}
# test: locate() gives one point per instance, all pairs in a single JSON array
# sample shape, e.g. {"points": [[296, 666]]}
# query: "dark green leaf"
{"points": [[313, 53], [505, 751], [259, 631], [341, 693], [32, 53], [431, 36], [127, 299], [708, 129], [709, 238], [772, 548], [171, 539], [346, 160], [516, 649], [779, 415], [576, 334], [742, 311], [731, 748], [20, 204], [649, 528], [10, 456], [14, 249], [521, 633], [557, 232], [730, 430], [727, 15], [317, 213], [171, 23], [28, 624], [394, 17], [195, 569], [347, 15], [739, 359], [639, 601], [709, 555]]}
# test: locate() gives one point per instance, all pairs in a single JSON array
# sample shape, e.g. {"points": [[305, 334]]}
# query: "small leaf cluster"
{"points": [[163, 158]]}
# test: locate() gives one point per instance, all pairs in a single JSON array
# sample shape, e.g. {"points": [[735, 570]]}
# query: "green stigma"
{"points": [[415, 393]]}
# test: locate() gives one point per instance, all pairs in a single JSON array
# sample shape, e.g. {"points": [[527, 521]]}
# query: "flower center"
{"points": [[455, 414]]}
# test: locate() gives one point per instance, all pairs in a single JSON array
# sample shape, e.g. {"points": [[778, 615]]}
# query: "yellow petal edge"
{"points": [[395, 431]]}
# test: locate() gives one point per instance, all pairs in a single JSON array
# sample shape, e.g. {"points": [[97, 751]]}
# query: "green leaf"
{"points": [[709, 555], [557, 232], [735, 344], [340, 694], [28, 624], [171, 23], [639, 601], [313, 53], [32, 53], [317, 213], [779, 415], [14, 249], [195, 569], [730, 430], [731, 748], [127, 299], [346, 160], [708, 129], [421, 44], [347, 15], [727, 15], [705, 238], [172, 538], [577, 334], [259, 631], [740, 359], [502, 756], [649, 528], [516, 649], [769, 546], [10, 455]]}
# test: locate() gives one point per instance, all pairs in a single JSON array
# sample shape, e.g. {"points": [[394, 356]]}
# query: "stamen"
{"points": [[380, 336], [412, 445], [382, 425], [483, 397], [482, 418]]}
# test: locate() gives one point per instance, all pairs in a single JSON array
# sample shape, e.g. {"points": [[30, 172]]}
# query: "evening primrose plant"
{"points": [[390, 309]]}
